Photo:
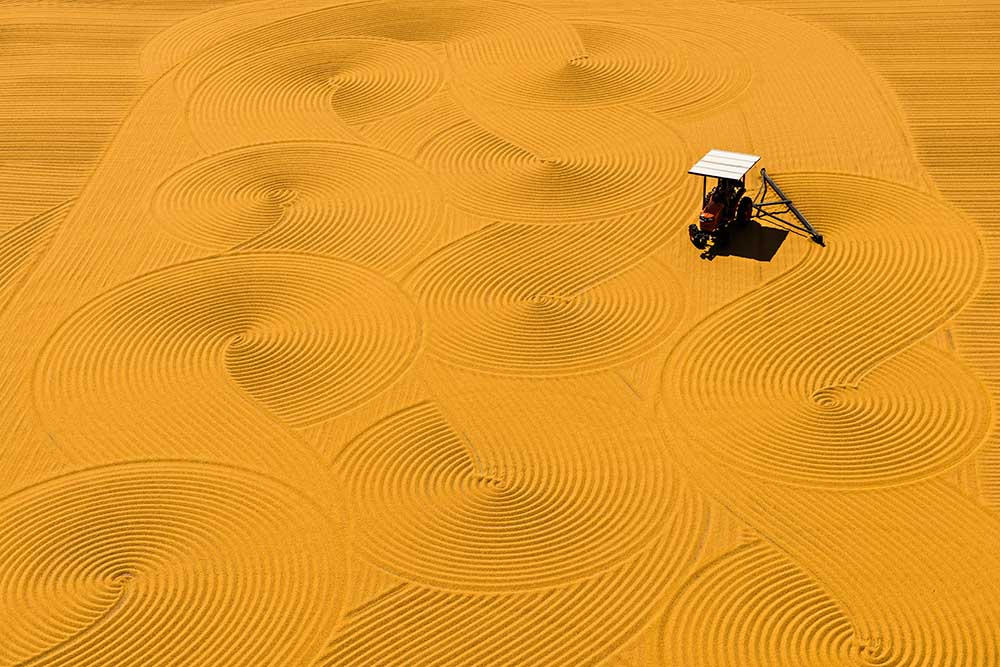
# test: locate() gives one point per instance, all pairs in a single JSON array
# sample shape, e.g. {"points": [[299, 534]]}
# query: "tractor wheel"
{"points": [[699, 239], [744, 211]]}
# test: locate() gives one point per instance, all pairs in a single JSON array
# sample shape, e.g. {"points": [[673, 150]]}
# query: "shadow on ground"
{"points": [[754, 241]]}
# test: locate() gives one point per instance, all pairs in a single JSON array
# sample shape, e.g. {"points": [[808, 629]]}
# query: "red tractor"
{"points": [[726, 207], [722, 208]]}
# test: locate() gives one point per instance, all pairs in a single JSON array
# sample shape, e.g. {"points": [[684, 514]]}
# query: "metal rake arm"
{"points": [[816, 236]]}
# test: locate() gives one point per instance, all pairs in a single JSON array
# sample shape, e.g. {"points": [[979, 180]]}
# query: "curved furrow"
{"points": [[114, 565], [580, 623], [184, 40], [345, 200], [714, 68], [911, 566], [309, 90], [546, 300], [304, 336], [540, 511], [504, 25], [811, 390], [20, 245], [804, 381], [661, 69], [507, 516], [754, 606], [539, 166]]}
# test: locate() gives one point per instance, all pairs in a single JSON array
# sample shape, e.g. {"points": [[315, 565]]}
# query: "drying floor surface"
{"points": [[370, 334]]}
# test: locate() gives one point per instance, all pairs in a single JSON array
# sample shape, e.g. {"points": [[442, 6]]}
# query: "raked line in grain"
{"points": [[310, 90], [161, 563], [754, 606], [578, 623], [541, 166], [547, 300], [505, 25], [798, 380], [613, 64], [262, 319], [22, 244], [349, 201], [488, 517]]}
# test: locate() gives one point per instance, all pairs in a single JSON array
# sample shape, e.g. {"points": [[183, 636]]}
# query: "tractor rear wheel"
{"points": [[743, 212]]}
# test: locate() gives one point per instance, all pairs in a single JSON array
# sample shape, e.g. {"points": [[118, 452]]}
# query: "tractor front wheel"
{"points": [[699, 239]]}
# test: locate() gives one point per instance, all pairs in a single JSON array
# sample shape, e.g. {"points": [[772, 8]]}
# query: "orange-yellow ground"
{"points": [[370, 334]]}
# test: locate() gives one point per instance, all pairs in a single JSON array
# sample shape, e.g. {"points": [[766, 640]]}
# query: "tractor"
{"points": [[721, 209], [726, 207]]}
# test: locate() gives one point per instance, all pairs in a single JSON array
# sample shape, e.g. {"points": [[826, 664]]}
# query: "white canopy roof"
{"points": [[724, 164]]}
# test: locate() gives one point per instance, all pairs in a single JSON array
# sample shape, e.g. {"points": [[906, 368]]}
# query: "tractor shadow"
{"points": [[754, 241]]}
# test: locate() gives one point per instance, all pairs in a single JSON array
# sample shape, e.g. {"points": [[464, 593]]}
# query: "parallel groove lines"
{"points": [[372, 337]]}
